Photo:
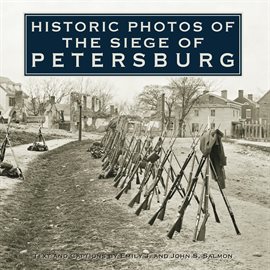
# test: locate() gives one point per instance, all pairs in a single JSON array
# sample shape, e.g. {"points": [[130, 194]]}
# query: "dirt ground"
{"points": [[63, 217]]}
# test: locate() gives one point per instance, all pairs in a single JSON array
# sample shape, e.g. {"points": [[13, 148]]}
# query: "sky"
{"points": [[256, 39]]}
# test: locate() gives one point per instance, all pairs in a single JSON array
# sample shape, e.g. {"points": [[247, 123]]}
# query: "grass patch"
{"points": [[62, 209], [22, 137]]}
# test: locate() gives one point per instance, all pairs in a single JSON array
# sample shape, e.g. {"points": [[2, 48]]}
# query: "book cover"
{"points": [[134, 134]]}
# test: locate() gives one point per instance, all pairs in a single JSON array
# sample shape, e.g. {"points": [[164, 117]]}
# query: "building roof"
{"points": [[263, 97], [225, 99], [225, 102], [5, 80], [252, 102], [10, 87]]}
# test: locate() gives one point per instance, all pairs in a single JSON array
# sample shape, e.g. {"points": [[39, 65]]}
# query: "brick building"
{"points": [[250, 109], [264, 111]]}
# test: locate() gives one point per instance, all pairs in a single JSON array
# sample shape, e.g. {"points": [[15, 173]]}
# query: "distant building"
{"points": [[250, 109], [52, 115], [223, 114], [264, 112], [66, 116], [12, 98], [64, 111]]}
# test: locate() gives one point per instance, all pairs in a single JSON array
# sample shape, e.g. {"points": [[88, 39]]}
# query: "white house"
{"points": [[222, 113], [9, 93]]}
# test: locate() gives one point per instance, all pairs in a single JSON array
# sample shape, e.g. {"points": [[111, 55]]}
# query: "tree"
{"points": [[150, 99], [184, 92], [41, 90], [188, 91]]}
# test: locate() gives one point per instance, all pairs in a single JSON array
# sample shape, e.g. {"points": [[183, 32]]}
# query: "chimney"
{"points": [[52, 100], [111, 109], [99, 105], [19, 106], [240, 93], [93, 103], [19, 99], [224, 93], [84, 102], [250, 96]]}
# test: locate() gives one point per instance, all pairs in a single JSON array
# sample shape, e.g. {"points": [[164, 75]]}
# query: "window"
{"points": [[195, 127], [11, 102], [213, 112], [213, 125], [196, 112], [248, 113], [233, 113]]}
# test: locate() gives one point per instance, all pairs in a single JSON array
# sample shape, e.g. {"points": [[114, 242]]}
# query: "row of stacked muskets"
{"points": [[147, 166]]}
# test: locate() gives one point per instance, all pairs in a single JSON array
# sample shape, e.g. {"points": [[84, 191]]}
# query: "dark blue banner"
{"points": [[133, 44]]}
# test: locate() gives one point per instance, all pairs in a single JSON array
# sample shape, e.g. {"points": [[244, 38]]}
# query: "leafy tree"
{"points": [[184, 92]]}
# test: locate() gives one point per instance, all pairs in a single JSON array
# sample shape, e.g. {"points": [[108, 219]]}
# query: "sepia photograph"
{"points": [[134, 134]]}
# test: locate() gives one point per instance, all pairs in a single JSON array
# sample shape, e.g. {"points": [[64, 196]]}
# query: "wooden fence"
{"points": [[256, 131]]}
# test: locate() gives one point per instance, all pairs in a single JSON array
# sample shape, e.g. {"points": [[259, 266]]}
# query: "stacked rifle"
{"points": [[114, 143], [7, 169], [39, 143], [148, 167]]}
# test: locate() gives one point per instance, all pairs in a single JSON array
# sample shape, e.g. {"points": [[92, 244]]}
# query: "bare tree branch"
{"points": [[41, 90], [189, 91]]}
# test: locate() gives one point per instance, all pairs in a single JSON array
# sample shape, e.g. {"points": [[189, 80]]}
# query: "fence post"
{"points": [[256, 130]]}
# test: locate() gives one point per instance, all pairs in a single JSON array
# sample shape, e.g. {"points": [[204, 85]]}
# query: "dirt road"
{"points": [[65, 218], [23, 157]]}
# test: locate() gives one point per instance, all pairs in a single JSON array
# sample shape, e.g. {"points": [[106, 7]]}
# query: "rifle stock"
{"points": [[173, 229], [153, 218], [162, 212], [143, 205], [120, 193], [147, 175], [135, 199], [201, 235]]}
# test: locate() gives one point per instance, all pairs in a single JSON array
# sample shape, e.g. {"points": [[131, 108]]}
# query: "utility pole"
{"points": [[80, 119], [162, 111]]}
